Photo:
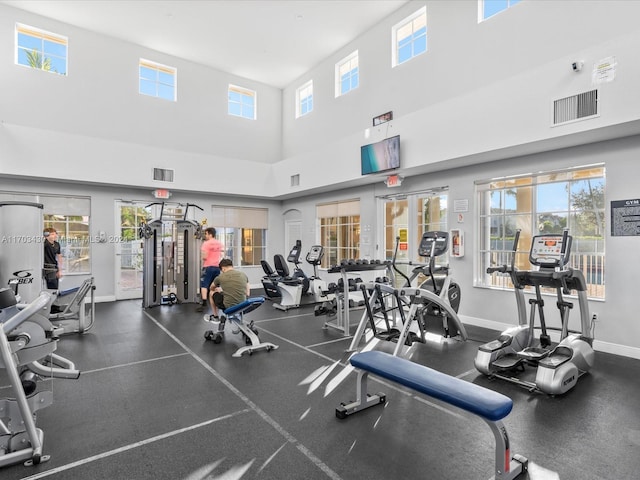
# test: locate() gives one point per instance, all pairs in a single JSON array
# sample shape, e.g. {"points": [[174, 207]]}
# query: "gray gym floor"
{"points": [[157, 401]]}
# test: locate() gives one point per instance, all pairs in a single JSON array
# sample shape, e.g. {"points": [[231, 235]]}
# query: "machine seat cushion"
{"points": [[68, 291], [247, 306], [468, 396]]}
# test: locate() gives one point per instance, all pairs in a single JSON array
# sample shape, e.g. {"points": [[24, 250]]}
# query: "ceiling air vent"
{"points": [[577, 107], [163, 174]]}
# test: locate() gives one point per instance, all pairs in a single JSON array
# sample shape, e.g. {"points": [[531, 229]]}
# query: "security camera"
{"points": [[577, 66]]}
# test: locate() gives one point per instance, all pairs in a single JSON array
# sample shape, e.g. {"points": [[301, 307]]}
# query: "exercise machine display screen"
{"points": [[548, 251]]}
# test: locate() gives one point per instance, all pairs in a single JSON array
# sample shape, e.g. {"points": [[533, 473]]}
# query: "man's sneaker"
{"points": [[213, 320], [200, 308]]}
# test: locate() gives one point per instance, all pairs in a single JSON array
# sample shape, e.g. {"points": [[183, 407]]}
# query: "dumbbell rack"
{"points": [[346, 268]]}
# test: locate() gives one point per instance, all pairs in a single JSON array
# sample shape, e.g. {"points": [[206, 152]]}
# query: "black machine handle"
{"points": [[186, 210], [514, 250], [393, 262], [500, 269], [516, 239]]}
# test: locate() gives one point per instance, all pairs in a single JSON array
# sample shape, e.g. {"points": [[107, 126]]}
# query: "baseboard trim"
{"points": [[598, 345]]}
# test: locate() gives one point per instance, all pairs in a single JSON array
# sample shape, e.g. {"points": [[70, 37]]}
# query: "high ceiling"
{"points": [[273, 42]]}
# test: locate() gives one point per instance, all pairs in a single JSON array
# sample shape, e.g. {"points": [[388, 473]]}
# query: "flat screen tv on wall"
{"points": [[380, 156]]}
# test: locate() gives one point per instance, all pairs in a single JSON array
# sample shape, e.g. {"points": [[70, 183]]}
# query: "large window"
{"points": [[489, 8], [347, 74], [409, 37], [539, 204], [70, 217], [243, 231], [242, 102], [73, 236], [157, 80], [304, 99], [42, 50], [339, 231]]}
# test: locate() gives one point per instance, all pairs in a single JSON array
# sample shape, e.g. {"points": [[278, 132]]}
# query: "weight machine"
{"points": [[171, 257]]}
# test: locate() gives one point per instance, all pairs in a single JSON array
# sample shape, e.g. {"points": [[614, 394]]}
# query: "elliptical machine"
{"points": [[432, 245], [27, 343], [559, 367], [397, 308]]}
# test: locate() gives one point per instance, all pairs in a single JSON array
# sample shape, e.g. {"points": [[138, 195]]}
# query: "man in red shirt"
{"points": [[211, 254]]}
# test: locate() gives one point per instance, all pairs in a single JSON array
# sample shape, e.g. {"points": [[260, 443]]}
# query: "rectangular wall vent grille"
{"points": [[576, 107], [295, 180], [163, 174]]}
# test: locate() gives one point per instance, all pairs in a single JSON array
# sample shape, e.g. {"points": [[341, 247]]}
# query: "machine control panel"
{"points": [[440, 239], [314, 257], [550, 251]]}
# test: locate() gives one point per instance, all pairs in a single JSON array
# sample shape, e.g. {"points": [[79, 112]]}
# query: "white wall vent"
{"points": [[163, 174], [295, 180], [577, 107]]}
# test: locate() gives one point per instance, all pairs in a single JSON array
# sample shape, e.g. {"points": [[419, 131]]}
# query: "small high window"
{"points": [[304, 99], [42, 50], [157, 80], [242, 102], [347, 74], [410, 37], [489, 8]]}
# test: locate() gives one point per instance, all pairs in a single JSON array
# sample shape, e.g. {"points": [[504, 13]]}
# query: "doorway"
{"points": [[128, 259], [406, 218]]}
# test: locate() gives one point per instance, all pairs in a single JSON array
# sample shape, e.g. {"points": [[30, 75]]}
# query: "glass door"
{"points": [[406, 218], [397, 239], [129, 266]]}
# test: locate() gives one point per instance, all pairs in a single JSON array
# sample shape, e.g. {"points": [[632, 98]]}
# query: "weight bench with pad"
{"points": [[235, 315], [490, 406]]}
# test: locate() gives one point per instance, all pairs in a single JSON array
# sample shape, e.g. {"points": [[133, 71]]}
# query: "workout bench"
{"points": [[490, 406], [235, 315]]}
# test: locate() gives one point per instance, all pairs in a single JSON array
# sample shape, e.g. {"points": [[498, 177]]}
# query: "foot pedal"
{"points": [[533, 354], [507, 362]]}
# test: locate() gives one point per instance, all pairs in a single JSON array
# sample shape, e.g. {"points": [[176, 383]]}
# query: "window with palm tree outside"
{"points": [[41, 50], [537, 204]]}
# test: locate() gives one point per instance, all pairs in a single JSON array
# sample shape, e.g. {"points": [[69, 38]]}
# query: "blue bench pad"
{"points": [[468, 396], [68, 291], [249, 304]]}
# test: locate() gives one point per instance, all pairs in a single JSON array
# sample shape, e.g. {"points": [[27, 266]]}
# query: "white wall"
{"points": [[95, 122], [480, 92]]}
